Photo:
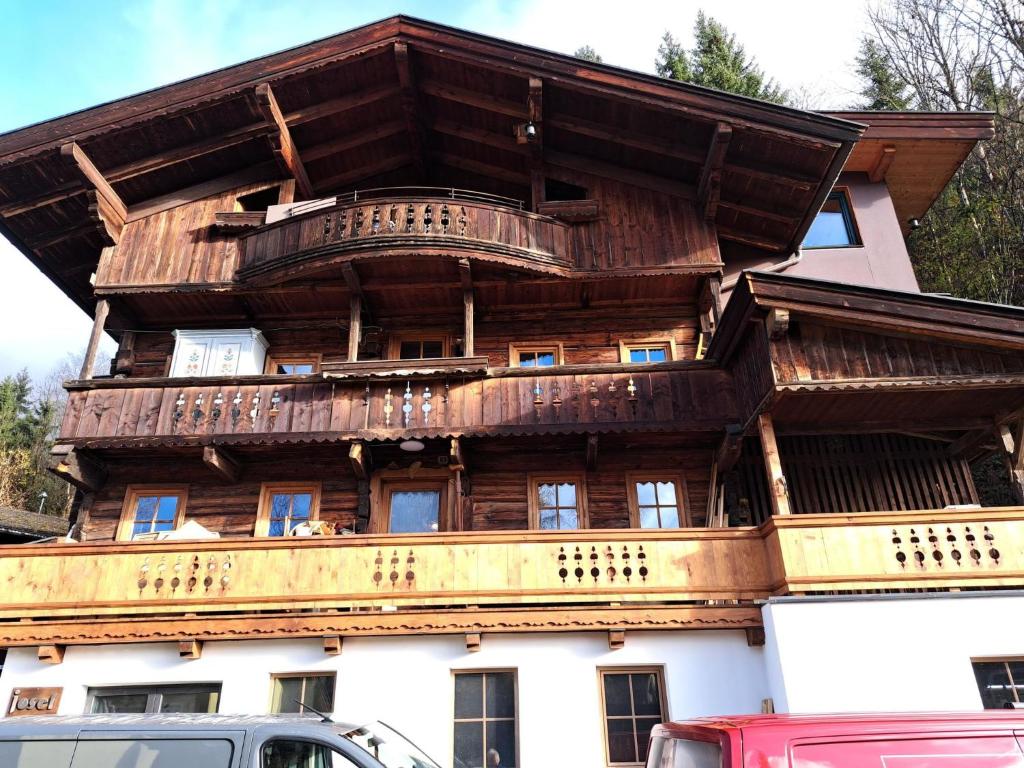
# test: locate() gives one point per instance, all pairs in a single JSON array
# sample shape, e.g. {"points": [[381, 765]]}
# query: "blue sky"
{"points": [[58, 57]]}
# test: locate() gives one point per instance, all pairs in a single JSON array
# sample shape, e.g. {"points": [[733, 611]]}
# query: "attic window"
{"points": [[258, 201], [560, 190], [834, 226]]}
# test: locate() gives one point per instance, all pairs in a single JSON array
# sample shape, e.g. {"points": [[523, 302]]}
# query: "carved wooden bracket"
{"points": [[472, 642], [332, 645], [755, 636], [285, 151], [777, 323], [51, 654], [190, 648], [106, 208], [79, 468], [616, 639], [223, 462], [708, 189]]}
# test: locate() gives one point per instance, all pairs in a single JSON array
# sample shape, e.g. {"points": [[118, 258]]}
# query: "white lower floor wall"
{"points": [[408, 681], [887, 653]]}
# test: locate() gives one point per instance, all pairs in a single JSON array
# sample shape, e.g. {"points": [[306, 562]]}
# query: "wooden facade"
{"points": [[497, 284]]}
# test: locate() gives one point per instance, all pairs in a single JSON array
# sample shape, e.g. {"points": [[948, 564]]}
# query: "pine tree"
{"points": [[716, 61], [587, 53], [883, 89]]}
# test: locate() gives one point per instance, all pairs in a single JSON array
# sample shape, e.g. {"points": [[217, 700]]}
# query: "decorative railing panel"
{"points": [[406, 224], [171, 410]]}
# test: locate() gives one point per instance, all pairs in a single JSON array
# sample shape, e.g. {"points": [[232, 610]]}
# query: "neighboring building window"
{"points": [[485, 719], [409, 347], [286, 505], [3, 659], [203, 698], [314, 690], [293, 365], [534, 355], [557, 503], [1000, 682], [658, 351], [634, 702], [834, 226], [656, 500], [150, 511]]}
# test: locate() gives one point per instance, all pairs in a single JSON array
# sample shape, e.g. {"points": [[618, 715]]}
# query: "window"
{"points": [[655, 351], [399, 504], [149, 511], [557, 503], [286, 505], [534, 355], [313, 689], [286, 753], [203, 698], [419, 347], [634, 702], [834, 226], [95, 751], [657, 500], [293, 365], [485, 719], [258, 201], [1000, 682]]}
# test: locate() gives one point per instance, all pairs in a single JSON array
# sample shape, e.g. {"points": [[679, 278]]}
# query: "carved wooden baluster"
{"points": [[407, 405], [446, 219], [327, 228], [254, 411], [339, 233], [366, 395], [462, 221], [393, 218], [275, 406], [632, 397], [218, 408], [179, 408], [538, 398], [426, 407], [388, 407], [236, 409], [410, 217], [375, 221], [357, 222], [556, 398], [428, 218], [197, 410], [595, 399]]}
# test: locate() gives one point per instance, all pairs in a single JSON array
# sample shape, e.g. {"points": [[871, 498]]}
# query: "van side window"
{"points": [[32, 754], [170, 752], [914, 751], [285, 753]]}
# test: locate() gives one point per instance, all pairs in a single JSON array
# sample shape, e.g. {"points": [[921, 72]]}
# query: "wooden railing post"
{"points": [[102, 310], [355, 320], [778, 490]]}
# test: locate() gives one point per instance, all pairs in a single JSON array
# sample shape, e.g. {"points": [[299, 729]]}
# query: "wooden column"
{"points": [[102, 310], [778, 491], [466, 276], [1012, 442], [355, 320]]}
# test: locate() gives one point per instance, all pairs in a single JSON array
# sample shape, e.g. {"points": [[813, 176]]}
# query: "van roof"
{"points": [[38, 723], [849, 722]]}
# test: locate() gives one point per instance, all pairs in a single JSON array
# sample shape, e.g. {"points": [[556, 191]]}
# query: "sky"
{"points": [[59, 57]]}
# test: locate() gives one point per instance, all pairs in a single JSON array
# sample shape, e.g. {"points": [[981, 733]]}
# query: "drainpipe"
{"points": [[782, 266]]}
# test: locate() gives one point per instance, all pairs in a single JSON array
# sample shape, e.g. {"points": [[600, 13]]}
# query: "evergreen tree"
{"points": [[883, 89], [716, 61], [587, 53]]}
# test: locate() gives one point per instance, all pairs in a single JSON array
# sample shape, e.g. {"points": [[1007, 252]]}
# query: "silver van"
{"points": [[202, 741]]}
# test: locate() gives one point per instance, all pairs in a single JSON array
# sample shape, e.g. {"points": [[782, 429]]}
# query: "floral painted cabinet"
{"points": [[218, 353]]}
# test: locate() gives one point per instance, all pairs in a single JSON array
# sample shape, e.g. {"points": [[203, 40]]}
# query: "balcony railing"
{"points": [[657, 397], [482, 226]]}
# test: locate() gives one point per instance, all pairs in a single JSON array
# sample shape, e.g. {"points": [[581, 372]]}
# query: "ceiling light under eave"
{"points": [[412, 445]]}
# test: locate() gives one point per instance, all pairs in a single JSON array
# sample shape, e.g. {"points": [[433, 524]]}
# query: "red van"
{"points": [[991, 739]]}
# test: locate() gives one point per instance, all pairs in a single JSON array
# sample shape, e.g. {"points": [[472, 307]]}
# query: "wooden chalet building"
{"points": [[510, 395]]}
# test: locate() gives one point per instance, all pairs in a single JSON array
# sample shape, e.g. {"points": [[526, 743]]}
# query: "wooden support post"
{"points": [[472, 642], [51, 654], [410, 108], [106, 208], [778, 491], [125, 359], [78, 467], [98, 323], [190, 648], [332, 645], [456, 461], [535, 112], [592, 443], [223, 462], [1012, 443], [709, 187], [469, 333], [285, 152], [616, 639], [355, 320], [359, 457]]}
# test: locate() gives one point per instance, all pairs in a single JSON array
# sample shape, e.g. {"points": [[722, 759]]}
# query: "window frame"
{"points": [[275, 676], [132, 493], [515, 350], [682, 497], [514, 671], [395, 341], [640, 669], [384, 483], [626, 345], [535, 480], [267, 490], [1005, 661], [273, 361], [154, 693], [849, 219]]}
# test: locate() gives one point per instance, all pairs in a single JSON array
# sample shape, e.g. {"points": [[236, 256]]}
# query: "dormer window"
{"points": [[834, 226]]}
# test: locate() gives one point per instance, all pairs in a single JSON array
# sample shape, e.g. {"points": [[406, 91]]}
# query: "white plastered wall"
{"points": [[407, 681]]}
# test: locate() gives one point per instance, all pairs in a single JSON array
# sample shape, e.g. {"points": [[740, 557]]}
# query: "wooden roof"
{"points": [[404, 101]]}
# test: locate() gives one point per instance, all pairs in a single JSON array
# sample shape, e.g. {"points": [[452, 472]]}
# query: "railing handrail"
{"points": [[376, 193]]}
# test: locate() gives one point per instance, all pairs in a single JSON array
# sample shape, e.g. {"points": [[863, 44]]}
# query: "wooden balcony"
{"points": [[657, 397], [490, 581], [460, 224]]}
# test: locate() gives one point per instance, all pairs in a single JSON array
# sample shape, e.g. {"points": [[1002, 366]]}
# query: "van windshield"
{"points": [[680, 753], [389, 746]]}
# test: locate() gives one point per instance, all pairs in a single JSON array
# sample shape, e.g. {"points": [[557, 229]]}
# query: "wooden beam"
{"points": [[411, 111], [1011, 441], [881, 166], [50, 239], [778, 490], [503, 141], [124, 361], [340, 104], [78, 467], [99, 321], [710, 185], [483, 168], [285, 151], [473, 99], [223, 462], [472, 642], [347, 178], [777, 322], [535, 112], [332, 645], [730, 448], [190, 648], [968, 441], [105, 205], [616, 639], [50, 654], [592, 445], [354, 140], [359, 458], [456, 461], [640, 179]]}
